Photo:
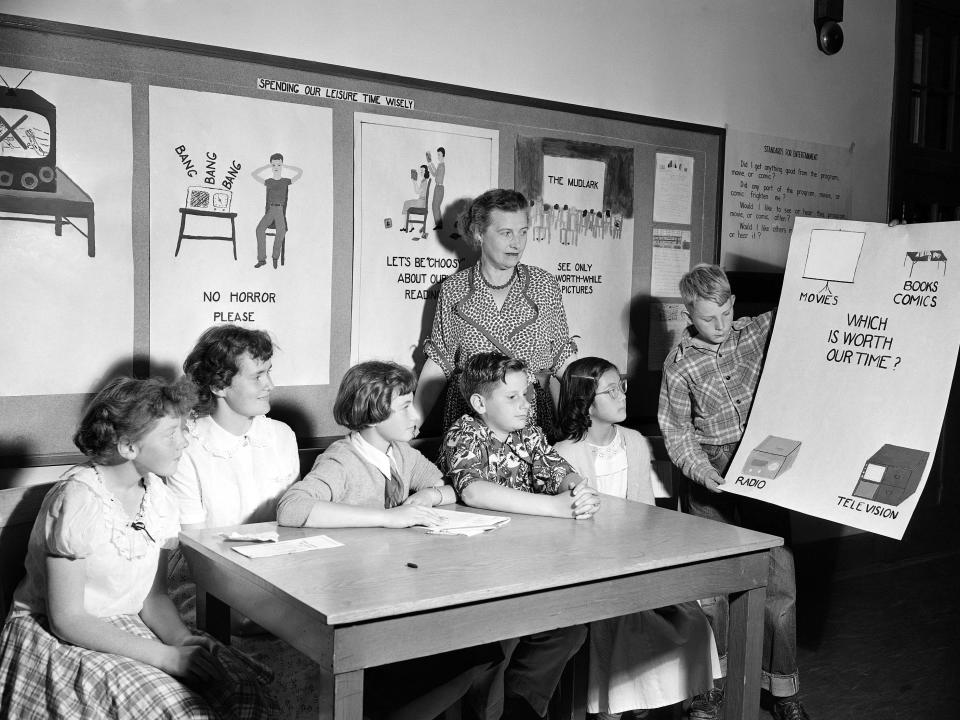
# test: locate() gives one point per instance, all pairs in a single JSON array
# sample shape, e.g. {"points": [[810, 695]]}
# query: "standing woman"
{"points": [[499, 304], [91, 632]]}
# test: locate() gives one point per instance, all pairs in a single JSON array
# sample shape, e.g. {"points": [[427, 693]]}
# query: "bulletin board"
{"points": [[165, 147]]}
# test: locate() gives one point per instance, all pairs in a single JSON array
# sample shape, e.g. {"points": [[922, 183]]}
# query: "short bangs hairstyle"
{"points": [[476, 219], [367, 390], [484, 370], [127, 409], [215, 359], [705, 282], [578, 390]]}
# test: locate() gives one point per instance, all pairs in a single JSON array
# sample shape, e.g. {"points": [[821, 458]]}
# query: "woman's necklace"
{"points": [[497, 287]]}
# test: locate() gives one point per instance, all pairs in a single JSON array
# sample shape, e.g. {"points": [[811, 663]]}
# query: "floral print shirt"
{"points": [[524, 461]]}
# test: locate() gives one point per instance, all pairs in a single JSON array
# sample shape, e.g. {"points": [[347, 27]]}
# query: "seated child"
{"points": [[652, 658], [496, 463], [91, 631], [237, 464], [374, 478]]}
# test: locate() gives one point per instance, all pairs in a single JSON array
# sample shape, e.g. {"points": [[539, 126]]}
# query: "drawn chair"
{"points": [[419, 214]]}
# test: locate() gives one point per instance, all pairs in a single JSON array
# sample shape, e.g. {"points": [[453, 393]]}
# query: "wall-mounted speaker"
{"points": [[827, 15]]}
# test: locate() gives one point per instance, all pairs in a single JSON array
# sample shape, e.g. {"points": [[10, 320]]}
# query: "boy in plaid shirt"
{"points": [[708, 385]]}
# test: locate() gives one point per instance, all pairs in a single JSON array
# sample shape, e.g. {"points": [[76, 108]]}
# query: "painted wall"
{"points": [[746, 64]]}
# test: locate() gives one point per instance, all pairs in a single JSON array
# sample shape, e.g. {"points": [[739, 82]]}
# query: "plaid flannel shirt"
{"points": [[706, 393]]}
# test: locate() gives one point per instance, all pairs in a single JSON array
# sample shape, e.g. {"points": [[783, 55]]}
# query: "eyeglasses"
{"points": [[618, 389]]}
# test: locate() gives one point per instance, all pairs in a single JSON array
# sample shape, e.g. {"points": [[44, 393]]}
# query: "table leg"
{"points": [[58, 225], [745, 646], [213, 615], [341, 696], [91, 236], [183, 221]]}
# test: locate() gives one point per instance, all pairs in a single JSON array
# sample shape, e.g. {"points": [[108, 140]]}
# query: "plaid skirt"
{"points": [[42, 677]]}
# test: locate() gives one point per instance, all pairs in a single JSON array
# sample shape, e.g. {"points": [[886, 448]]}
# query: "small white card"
{"points": [[316, 542]]}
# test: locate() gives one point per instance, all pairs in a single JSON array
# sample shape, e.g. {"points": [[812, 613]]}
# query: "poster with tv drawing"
{"points": [[66, 280], [847, 416], [412, 179], [581, 230], [241, 194]]}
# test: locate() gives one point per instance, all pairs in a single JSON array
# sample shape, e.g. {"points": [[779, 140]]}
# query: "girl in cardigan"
{"points": [[651, 658], [374, 478], [91, 632]]}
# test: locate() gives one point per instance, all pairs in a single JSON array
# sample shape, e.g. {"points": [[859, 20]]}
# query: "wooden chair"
{"points": [[419, 214]]}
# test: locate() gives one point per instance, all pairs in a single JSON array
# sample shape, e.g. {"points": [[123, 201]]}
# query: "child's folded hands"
{"points": [[586, 500]]}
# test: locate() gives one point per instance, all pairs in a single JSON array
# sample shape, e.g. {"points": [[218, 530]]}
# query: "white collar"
{"points": [[379, 459], [220, 442]]}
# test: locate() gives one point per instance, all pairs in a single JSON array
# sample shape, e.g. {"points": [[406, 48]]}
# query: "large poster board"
{"points": [[581, 230], [412, 179], [768, 182], [66, 278], [849, 408], [210, 210]]}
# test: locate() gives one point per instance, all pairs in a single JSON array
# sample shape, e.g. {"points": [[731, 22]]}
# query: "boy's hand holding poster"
{"points": [[848, 412]]}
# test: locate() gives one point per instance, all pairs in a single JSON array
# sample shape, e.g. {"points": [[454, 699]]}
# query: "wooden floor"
{"points": [[882, 643]]}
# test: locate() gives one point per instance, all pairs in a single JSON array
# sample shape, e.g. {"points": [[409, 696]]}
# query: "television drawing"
{"points": [[832, 256], [30, 181], [891, 474], [28, 140]]}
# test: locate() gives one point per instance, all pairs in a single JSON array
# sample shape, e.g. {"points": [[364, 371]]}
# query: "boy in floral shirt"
{"points": [[495, 462]]}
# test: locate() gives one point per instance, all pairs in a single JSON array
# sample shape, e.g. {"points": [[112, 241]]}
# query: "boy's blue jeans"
{"points": [[779, 661]]}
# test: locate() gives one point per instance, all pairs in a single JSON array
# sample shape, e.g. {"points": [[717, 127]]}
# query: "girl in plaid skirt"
{"points": [[91, 632]]}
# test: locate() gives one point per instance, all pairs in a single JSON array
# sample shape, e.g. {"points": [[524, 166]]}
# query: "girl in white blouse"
{"points": [[652, 658], [91, 631]]}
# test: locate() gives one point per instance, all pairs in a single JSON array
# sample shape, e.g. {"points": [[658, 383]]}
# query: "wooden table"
{"points": [[68, 201], [361, 605]]}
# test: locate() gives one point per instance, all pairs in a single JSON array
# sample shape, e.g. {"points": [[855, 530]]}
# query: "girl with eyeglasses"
{"points": [[652, 658]]}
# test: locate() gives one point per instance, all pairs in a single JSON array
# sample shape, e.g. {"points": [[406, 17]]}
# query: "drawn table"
{"points": [[68, 201]]}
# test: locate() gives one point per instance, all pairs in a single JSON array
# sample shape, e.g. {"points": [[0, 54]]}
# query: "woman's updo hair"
{"points": [[476, 219], [127, 408], [578, 389]]}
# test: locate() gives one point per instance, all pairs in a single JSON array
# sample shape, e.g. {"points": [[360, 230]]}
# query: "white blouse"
{"points": [[226, 479], [81, 519], [610, 465]]}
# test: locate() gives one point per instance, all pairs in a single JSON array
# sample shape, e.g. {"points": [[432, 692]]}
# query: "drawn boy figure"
{"points": [[277, 187], [437, 169]]}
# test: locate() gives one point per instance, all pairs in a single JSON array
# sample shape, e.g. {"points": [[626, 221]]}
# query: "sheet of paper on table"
{"points": [[286, 547], [461, 523]]}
